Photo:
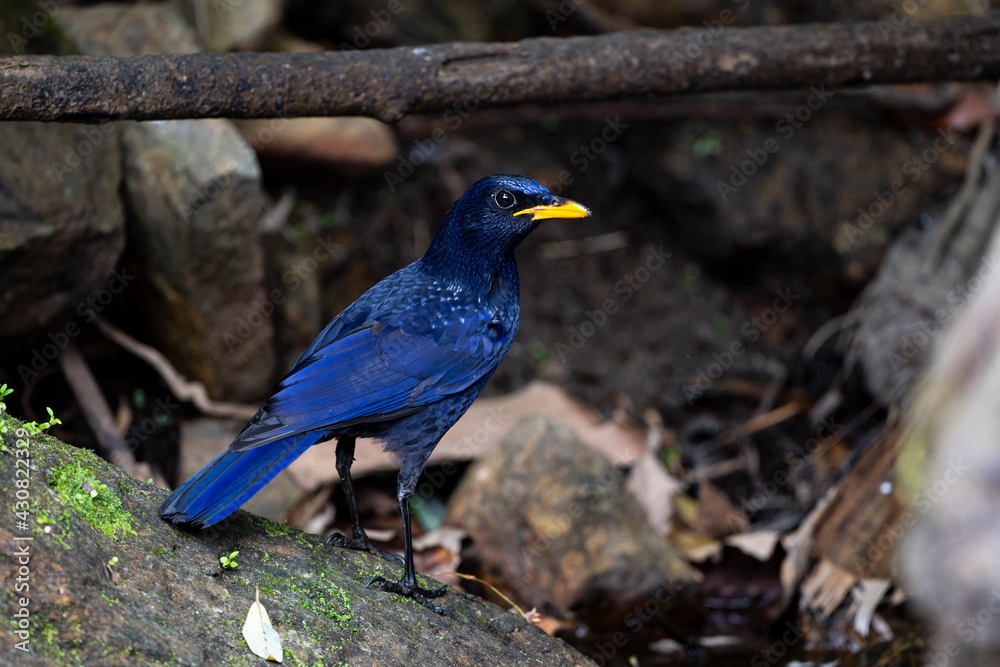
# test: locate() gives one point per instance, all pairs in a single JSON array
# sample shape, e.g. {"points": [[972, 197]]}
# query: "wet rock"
{"points": [[62, 222], [228, 25], [127, 30], [194, 188], [555, 519], [112, 584], [304, 145], [194, 193]]}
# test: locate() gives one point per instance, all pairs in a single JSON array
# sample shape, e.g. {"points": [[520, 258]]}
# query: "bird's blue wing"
{"points": [[377, 371]]}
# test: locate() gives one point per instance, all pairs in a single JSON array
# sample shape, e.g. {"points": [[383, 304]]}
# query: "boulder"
{"points": [[194, 194], [62, 222], [109, 583], [554, 523]]}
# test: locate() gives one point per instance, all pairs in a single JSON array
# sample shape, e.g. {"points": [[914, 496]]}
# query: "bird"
{"points": [[399, 365]]}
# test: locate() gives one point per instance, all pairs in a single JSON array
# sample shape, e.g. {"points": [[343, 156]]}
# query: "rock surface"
{"points": [[948, 470], [194, 194], [194, 189], [556, 520], [227, 25], [165, 600], [305, 145], [62, 223]]}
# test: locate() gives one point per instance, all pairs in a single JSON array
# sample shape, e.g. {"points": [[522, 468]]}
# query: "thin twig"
{"points": [[96, 411], [961, 202], [181, 387]]}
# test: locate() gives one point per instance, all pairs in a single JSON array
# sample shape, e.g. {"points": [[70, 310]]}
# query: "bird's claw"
{"points": [[362, 543], [421, 595]]}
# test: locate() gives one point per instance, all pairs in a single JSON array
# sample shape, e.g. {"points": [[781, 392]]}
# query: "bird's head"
{"points": [[497, 212]]}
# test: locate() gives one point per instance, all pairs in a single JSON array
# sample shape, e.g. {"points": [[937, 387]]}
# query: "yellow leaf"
{"points": [[262, 639]]}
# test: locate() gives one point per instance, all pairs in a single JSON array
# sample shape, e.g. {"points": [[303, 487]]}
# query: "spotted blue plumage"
{"points": [[401, 364]]}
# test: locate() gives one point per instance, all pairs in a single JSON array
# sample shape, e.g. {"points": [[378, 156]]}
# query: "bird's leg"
{"points": [[359, 538], [408, 584]]}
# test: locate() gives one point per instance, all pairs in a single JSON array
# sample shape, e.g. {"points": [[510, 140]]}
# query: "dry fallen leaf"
{"points": [[655, 489], [486, 423], [760, 543], [262, 639], [717, 516], [440, 551]]}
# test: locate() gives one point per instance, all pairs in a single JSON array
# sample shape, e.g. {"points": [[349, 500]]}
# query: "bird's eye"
{"points": [[504, 199]]}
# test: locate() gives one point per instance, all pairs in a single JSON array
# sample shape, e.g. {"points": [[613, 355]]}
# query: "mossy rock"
{"points": [[167, 600]]}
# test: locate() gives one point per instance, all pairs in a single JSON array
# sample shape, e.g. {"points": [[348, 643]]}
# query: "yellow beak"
{"points": [[560, 208]]}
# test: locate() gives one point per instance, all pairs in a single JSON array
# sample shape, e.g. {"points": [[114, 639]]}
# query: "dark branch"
{"points": [[390, 83]]}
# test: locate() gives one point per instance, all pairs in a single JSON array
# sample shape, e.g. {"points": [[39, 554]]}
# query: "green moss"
{"points": [[96, 504], [49, 632], [272, 529], [316, 595], [160, 551], [327, 599]]}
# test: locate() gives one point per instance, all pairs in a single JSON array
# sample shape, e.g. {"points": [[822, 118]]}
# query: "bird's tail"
{"points": [[230, 479]]}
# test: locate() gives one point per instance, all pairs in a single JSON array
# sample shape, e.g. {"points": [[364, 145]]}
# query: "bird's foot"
{"points": [[412, 590], [362, 543]]}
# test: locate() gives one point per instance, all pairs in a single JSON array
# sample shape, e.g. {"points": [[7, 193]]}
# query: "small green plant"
{"points": [[4, 393], [671, 457], [32, 428], [539, 354], [113, 561], [229, 562], [708, 144], [96, 503]]}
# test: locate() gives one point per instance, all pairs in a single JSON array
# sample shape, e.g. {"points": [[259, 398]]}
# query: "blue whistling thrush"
{"points": [[401, 365]]}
